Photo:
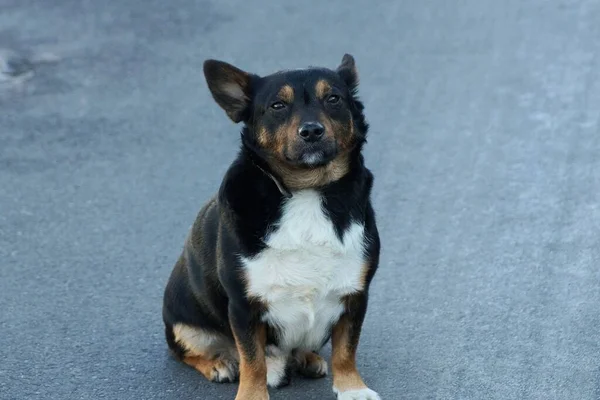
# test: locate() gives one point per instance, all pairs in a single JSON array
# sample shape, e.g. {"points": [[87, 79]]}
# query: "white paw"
{"points": [[360, 394], [276, 364]]}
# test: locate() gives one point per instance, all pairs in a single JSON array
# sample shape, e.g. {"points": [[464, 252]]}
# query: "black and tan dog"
{"points": [[281, 259]]}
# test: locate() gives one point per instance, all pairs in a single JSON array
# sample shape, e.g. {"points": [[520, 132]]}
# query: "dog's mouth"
{"points": [[312, 155]]}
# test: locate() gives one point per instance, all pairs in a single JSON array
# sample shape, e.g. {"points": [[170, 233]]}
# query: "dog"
{"points": [[280, 260]]}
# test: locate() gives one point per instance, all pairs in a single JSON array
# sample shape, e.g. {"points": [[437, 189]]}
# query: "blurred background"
{"points": [[484, 143]]}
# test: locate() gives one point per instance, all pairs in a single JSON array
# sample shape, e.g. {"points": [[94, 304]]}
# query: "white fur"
{"points": [[196, 341], [305, 271], [312, 158], [276, 363], [360, 394]]}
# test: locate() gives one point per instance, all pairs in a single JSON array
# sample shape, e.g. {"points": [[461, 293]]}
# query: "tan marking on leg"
{"points": [[343, 360], [213, 355], [253, 370], [322, 88], [286, 93]]}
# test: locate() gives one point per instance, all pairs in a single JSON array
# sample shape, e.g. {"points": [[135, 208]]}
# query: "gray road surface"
{"points": [[485, 144]]}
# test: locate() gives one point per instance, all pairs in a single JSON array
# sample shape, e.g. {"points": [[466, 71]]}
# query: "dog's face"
{"points": [[301, 118]]}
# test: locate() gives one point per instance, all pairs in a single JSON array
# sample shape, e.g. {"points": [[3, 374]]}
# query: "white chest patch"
{"points": [[305, 271]]}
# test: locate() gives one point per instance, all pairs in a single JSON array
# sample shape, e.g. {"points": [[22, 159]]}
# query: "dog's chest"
{"points": [[305, 271]]}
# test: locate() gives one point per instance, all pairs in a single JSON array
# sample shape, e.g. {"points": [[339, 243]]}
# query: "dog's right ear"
{"points": [[230, 87]]}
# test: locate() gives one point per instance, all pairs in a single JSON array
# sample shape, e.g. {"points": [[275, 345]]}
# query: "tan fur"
{"points": [[300, 178], [263, 136], [253, 370], [343, 134], [331, 127], [284, 137], [310, 364], [343, 360], [322, 88], [213, 355], [310, 358], [345, 138], [286, 93], [195, 341], [363, 277], [211, 369]]}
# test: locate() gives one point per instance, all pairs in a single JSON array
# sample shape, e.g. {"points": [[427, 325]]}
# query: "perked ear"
{"points": [[230, 87], [348, 72]]}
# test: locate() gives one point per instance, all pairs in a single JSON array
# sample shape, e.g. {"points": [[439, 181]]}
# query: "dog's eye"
{"points": [[278, 105], [333, 99]]}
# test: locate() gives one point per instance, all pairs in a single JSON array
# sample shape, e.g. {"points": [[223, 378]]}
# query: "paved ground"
{"points": [[485, 141]]}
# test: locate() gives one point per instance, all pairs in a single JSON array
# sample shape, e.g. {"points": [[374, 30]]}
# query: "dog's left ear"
{"points": [[348, 72], [230, 87]]}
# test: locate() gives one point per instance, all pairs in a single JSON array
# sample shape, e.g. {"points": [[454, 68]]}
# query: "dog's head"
{"points": [[298, 121]]}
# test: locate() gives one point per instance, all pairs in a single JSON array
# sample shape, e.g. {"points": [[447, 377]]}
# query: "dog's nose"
{"points": [[311, 131]]}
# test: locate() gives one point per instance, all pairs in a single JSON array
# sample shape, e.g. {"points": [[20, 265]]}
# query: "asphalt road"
{"points": [[485, 145]]}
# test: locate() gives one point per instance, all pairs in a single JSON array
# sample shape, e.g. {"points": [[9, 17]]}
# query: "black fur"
{"points": [[206, 288]]}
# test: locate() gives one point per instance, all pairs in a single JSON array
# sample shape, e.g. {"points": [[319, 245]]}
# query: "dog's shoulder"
{"points": [[249, 203]]}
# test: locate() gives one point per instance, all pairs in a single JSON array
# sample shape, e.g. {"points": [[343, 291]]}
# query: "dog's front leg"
{"points": [[250, 338], [347, 382]]}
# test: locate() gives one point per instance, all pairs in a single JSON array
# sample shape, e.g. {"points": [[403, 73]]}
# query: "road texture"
{"points": [[485, 145]]}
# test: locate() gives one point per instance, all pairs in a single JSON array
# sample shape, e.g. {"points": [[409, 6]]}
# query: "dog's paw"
{"points": [[359, 394], [252, 395], [311, 365], [280, 381], [278, 372], [225, 371]]}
